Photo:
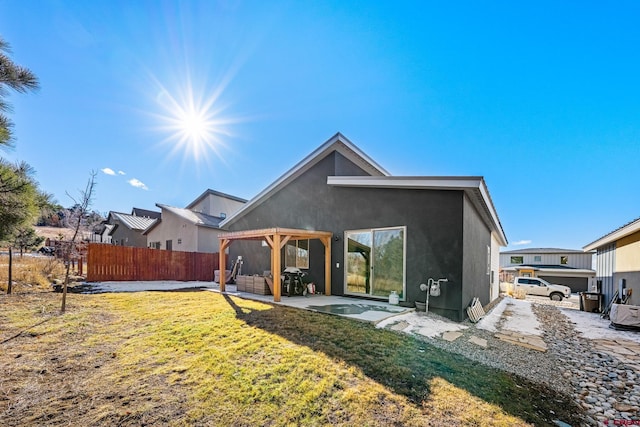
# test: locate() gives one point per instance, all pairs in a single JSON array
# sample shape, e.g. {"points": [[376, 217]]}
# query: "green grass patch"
{"points": [[184, 358]]}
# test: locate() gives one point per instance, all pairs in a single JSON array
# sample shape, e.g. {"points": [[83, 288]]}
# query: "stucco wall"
{"points": [[477, 237], [434, 221], [208, 239], [215, 205], [123, 236], [173, 227]]}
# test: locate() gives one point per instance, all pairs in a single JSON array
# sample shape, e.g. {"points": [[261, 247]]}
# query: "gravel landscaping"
{"points": [[601, 381]]}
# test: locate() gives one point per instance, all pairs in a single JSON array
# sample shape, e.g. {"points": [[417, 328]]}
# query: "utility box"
{"points": [[591, 302]]}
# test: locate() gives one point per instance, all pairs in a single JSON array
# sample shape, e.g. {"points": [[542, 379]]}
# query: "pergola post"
{"points": [[326, 241], [276, 238], [224, 244], [275, 267]]}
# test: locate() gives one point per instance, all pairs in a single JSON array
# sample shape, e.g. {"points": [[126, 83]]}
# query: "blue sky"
{"points": [[540, 98]]}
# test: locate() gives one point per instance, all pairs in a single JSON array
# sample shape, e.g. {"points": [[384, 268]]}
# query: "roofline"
{"points": [[154, 224], [167, 207], [460, 183], [124, 222], [114, 228], [549, 270], [541, 251], [151, 227], [142, 209], [116, 212], [300, 167], [214, 192], [615, 235]]}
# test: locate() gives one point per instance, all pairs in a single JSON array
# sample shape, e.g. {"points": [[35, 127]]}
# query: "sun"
{"points": [[194, 127], [193, 124]]}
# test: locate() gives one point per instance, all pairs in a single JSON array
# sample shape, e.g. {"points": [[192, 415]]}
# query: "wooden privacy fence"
{"points": [[123, 263]]}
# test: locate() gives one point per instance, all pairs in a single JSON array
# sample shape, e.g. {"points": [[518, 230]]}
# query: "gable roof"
{"points": [[107, 228], [131, 221], [215, 193], [196, 218], [338, 143], [473, 186], [617, 234], [543, 251], [145, 212]]}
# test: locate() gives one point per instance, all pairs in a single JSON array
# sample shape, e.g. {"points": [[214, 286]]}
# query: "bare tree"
{"points": [[78, 221]]}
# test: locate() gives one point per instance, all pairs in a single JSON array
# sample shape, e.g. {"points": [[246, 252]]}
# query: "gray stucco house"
{"points": [[390, 233]]}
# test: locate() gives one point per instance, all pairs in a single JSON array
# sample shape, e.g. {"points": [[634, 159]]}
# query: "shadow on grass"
{"points": [[407, 365]]}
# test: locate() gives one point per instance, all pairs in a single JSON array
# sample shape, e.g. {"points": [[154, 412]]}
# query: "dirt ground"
{"points": [[69, 381]]}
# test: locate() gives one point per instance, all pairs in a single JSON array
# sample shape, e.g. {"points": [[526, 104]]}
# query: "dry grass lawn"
{"points": [[30, 274], [201, 358]]}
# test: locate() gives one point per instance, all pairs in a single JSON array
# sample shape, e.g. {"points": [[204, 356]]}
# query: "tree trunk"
{"points": [[64, 289], [71, 245]]}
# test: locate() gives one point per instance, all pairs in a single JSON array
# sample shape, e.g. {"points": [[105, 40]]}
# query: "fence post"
{"points": [[10, 265]]}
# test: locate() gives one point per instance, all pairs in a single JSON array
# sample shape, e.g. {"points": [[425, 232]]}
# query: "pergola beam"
{"points": [[294, 234]]}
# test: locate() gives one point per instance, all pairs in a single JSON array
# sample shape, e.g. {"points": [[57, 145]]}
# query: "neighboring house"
{"points": [[618, 261], [194, 228], [127, 229], [215, 203], [101, 234], [390, 233], [572, 268]]}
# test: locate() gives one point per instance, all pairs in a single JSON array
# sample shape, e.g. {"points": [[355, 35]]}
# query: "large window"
{"points": [[297, 254], [375, 262], [517, 260]]}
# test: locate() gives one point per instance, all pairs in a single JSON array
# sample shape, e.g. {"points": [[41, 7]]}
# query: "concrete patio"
{"points": [[355, 308]]}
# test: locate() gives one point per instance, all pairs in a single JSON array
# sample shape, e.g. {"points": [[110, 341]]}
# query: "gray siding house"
{"points": [[567, 267], [618, 261], [390, 233], [127, 230]]}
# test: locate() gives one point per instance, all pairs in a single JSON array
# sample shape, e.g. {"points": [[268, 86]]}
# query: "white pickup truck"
{"points": [[537, 286]]}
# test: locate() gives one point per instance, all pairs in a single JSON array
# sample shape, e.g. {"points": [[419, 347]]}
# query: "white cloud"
{"points": [[522, 242], [121, 173], [137, 183], [108, 171]]}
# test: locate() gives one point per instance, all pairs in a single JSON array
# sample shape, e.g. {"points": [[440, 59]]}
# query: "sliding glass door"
{"points": [[375, 262]]}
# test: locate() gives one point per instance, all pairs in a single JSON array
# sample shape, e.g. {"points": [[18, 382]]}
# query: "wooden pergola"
{"points": [[276, 238]]}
